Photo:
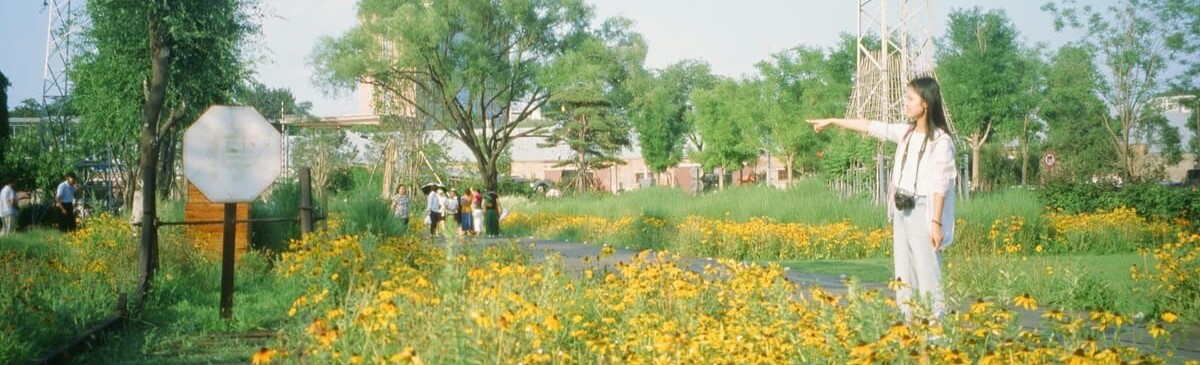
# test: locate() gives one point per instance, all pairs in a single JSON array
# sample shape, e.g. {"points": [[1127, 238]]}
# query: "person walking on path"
{"points": [[477, 211], [64, 199], [491, 214], [433, 204], [464, 211], [920, 191], [8, 207], [400, 204], [452, 209]]}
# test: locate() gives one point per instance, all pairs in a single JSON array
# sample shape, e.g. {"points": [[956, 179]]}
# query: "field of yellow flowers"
{"points": [[764, 238], [402, 301], [55, 286], [344, 296]]}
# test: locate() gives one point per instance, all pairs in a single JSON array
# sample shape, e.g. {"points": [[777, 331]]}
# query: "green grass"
{"points": [[1077, 282], [181, 322], [809, 201], [867, 270]]}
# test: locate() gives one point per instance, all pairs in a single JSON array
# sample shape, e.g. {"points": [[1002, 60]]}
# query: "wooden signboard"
{"points": [[207, 237]]}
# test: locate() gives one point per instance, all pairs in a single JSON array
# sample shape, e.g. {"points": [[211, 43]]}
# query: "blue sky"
{"points": [[731, 36]]}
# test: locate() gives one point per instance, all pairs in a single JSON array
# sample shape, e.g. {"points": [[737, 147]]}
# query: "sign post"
{"points": [[232, 155]]}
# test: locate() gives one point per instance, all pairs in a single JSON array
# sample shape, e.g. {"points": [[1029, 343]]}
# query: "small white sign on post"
{"points": [[232, 154]]}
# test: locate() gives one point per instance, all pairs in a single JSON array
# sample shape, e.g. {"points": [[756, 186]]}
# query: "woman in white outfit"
{"points": [[920, 191]]}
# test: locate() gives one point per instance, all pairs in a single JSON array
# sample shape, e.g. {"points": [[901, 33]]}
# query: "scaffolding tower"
{"points": [[61, 26], [894, 46]]}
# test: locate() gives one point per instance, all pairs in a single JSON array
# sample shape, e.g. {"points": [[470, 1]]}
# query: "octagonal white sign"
{"points": [[232, 154]]}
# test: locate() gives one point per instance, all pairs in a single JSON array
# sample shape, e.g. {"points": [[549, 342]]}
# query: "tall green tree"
{"points": [[804, 83], [1074, 114], [28, 108], [272, 103], [589, 105], [727, 116], [1136, 43], [326, 152], [662, 111], [151, 69], [470, 66], [982, 70], [1033, 84]]}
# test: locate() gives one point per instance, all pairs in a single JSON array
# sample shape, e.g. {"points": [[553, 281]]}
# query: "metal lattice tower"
{"points": [[61, 25], [894, 46]]}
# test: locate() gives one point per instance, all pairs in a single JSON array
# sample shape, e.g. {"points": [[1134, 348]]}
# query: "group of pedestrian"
{"points": [[64, 202], [472, 212]]}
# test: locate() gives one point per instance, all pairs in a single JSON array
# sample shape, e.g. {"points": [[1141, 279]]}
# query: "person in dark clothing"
{"points": [[491, 214]]}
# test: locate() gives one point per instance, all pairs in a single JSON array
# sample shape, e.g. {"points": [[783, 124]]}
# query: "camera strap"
{"points": [[904, 160]]}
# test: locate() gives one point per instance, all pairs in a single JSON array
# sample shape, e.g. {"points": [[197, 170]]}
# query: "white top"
{"points": [[910, 159], [936, 174], [65, 193], [938, 171], [7, 196]]}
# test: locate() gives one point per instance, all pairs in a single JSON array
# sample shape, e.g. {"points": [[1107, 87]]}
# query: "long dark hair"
{"points": [[935, 114]]}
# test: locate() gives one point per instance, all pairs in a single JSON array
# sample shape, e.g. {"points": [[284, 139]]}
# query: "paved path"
{"points": [[1186, 339]]}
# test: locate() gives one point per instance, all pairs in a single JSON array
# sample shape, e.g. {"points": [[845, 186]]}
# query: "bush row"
{"points": [[1150, 200]]}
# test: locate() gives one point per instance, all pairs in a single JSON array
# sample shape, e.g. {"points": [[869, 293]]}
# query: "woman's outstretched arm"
{"points": [[857, 125]]}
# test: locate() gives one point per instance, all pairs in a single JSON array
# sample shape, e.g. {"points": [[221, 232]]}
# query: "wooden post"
{"points": [[306, 208], [227, 261]]}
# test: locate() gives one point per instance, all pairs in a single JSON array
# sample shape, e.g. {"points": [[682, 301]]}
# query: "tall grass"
{"points": [[807, 202], [284, 202], [363, 211]]}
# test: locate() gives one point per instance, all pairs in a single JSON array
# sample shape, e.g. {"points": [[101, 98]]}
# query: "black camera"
{"points": [[905, 201]]}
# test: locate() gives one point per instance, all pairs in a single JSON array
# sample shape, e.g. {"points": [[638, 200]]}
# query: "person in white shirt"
{"points": [[64, 198], [434, 204], [8, 207], [921, 190]]}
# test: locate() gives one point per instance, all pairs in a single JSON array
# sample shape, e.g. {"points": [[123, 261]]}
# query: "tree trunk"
{"points": [[151, 111], [129, 185], [581, 153], [976, 151], [791, 162], [1025, 152], [389, 164], [1127, 146], [488, 170], [721, 179], [976, 143], [166, 162], [320, 173]]}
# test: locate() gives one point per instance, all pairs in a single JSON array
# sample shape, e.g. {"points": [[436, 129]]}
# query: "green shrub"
{"points": [[364, 211], [284, 202], [1150, 200]]}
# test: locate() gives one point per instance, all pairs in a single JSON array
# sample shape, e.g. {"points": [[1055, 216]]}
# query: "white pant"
{"points": [[9, 225], [918, 266], [477, 220]]}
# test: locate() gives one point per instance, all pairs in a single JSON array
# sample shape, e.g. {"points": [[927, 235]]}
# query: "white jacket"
{"points": [[936, 174]]}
